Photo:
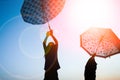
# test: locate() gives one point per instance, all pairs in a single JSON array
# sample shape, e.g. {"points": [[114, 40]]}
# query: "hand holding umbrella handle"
{"points": [[94, 55], [51, 32]]}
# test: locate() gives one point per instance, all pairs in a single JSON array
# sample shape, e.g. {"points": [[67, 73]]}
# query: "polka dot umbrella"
{"points": [[41, 11], [100, 41]]}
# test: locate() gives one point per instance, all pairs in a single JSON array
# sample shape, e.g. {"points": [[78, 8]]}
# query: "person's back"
{"points": [[90, 69], [51, 60]]}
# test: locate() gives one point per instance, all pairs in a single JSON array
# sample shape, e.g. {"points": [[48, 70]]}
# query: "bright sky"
{"points": [[21, 51]]}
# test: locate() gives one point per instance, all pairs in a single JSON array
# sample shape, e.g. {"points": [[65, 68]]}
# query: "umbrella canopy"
{"points": [[101, 41], [41, 11]]}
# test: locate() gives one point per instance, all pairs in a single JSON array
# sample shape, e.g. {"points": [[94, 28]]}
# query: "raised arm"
{"points": [[45, 40], [53, 37]]}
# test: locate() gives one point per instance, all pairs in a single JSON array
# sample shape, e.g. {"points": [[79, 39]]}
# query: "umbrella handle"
{"points": [[49, 26]]}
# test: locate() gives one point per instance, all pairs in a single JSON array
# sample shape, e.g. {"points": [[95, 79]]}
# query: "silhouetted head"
{"points": [[51, 44]]}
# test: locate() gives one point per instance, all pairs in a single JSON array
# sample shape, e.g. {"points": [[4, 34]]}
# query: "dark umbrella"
{"points": [[101, 41], [41, 11]]}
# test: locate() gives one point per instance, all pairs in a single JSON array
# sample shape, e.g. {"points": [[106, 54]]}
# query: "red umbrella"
{"points": [[41, 11], [101, 41]]}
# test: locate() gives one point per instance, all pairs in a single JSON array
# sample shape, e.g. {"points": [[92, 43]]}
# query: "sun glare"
{"points": [[91, 13]]}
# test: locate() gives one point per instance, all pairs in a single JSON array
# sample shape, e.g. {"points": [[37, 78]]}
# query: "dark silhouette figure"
{"points": [[90, 69], [51, 60]]}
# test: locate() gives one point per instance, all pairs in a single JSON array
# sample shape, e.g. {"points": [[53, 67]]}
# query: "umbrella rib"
{"points": [[99, 43]]}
